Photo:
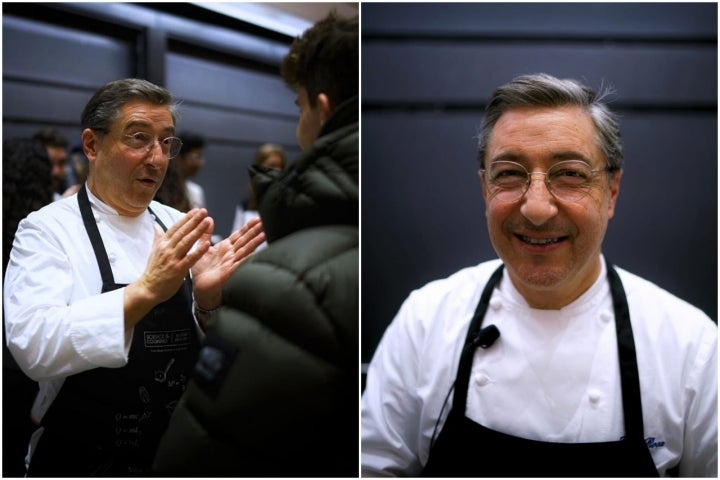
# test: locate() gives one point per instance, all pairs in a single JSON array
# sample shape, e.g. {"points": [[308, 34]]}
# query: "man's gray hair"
{"points": [[542, 90], [104, 107]]}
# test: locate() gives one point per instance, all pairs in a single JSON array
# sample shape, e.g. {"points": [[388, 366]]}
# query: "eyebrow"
{"points": [[143, 124]]}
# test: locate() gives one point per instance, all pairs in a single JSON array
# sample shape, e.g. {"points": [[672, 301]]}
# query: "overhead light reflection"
{"points": [[263, 15]]}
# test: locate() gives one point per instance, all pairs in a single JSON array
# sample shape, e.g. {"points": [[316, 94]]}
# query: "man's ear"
{"points": [[614, 192], [326, 106], [90, 144]]}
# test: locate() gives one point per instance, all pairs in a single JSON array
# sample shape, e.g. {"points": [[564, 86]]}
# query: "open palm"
{"points": [[212, 270]]}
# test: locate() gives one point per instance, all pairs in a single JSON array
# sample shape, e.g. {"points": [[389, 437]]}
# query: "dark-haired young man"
{"points": [[275, 392]]}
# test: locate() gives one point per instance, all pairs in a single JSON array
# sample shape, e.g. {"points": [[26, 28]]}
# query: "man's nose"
{"points": [[538, 204]]}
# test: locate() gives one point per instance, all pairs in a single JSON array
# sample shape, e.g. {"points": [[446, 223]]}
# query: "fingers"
{"points": [[189, 229], [254, 223], [246, 240], [193, 230], [247, 232]]}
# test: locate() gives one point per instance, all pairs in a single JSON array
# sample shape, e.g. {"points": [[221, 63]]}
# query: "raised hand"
{"points": [[212, 271], [170, 260]]}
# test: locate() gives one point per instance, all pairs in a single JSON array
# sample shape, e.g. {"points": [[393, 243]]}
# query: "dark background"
{"points": [[427, 72], [224, 71]]}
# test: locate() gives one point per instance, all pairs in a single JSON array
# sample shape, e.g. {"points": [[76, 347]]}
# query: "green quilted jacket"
{"points": [[275, 391]]}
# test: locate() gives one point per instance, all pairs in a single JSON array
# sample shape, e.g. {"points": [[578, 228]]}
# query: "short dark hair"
{"points": [[325, 59], [543, 90], [104, 107], [51, 137]]}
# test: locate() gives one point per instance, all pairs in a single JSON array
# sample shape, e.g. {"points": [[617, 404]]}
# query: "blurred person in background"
{"points": [[268, 155], [27, 186], [78, 169], [275, 390], [56, 145], [189, 162], [173, 191]]}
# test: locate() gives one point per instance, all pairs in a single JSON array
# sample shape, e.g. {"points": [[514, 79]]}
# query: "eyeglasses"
{"points": [[568, 181], [140, 141]]}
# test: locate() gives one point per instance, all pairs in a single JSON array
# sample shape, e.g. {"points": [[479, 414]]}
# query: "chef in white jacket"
{"points": [[550, 361], [105, 293]]}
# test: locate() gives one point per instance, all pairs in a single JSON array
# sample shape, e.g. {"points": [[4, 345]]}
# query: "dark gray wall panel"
{"points": [[422, 209], [542, 20], [29, 102], [238, 127], [42, 52], [466, 72], [226, 86]]}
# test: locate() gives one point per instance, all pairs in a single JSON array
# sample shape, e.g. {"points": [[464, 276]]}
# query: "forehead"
{"points": [[146, 115], [543, 132]]}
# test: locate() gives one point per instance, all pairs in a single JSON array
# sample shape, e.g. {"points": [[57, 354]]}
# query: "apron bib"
{"points": [[109, 421], [465, 448]]}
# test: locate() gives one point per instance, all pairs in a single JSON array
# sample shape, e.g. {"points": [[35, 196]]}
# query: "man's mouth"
{"points": [[540, 241]]}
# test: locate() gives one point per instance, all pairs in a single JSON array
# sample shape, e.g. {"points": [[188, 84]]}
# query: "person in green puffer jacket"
{"points": [[275, 391]]}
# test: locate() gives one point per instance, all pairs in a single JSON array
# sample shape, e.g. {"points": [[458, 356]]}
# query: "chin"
{"points": [[541, 276]]}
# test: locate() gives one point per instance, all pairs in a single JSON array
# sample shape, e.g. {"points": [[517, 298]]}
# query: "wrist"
{"points": [[207, 302], [206, 311]]}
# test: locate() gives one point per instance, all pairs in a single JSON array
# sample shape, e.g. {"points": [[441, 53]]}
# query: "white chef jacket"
{"points": [[57, 322], [553, 375]]}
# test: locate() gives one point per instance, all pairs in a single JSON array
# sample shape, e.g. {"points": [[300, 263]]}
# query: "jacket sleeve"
{"points": [[390, 425], [56, 322]]}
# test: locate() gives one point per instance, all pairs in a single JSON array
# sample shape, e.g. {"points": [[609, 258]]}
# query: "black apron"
{"points": [[465, 448], [108, 421]]}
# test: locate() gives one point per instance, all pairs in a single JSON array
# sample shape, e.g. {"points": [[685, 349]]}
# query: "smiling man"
{"points": [[106, 290], [584, 369]]}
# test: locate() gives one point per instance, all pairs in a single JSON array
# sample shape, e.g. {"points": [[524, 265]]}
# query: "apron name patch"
{"points": [[167, 340]]}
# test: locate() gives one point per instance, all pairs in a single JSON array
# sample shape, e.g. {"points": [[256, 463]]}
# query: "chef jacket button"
{"points": [[111, 257], [482, 379], [594, 396], [605, 316], [495, 303]]}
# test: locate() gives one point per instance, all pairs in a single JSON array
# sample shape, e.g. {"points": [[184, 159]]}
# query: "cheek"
{"points": [[496, 214]]}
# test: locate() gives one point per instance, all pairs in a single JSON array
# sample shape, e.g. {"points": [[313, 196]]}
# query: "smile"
{"points": [[540, 241]]}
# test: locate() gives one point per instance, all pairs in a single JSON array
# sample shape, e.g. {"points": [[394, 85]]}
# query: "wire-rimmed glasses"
{"points": [[140, 141], [568, 181]]}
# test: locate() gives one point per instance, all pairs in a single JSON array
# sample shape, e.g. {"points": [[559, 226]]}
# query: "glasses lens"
{"points": [[571, 180], [172, 146], [507, 181]]}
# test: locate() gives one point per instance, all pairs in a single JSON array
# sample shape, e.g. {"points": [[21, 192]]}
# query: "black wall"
{"points": [[427, 72], [225, 72]]}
